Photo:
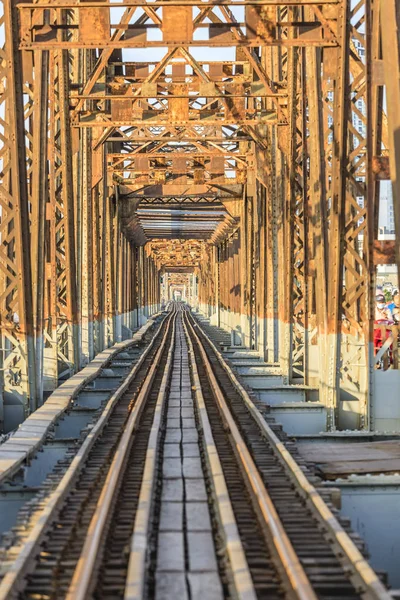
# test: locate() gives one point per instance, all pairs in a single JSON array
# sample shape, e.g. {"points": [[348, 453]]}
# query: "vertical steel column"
{"points": [[110, 278], [17, 350], [123, 282], [53, 349], [373, 142], [72, 311], [129, 321], [97, 260], [39, 197], [86, 262], [217, 284], [337, 217], [296, 211], [135, 288], [148, 284], [63, 306], [118, 273], [250, 271], [261, 241], [281, 259], [390, 39], [145, 284], [272, 214], [318, 216], [141, 284], [244, 249]]}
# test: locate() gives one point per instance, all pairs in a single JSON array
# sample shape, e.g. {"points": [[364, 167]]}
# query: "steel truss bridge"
{"points": [[236, 145]]}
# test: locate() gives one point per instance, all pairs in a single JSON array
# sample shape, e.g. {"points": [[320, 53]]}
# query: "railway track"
{"points": [[182, 490]]}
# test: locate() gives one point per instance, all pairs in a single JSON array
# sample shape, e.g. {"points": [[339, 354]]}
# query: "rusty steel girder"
{"points": [[261, 25]]}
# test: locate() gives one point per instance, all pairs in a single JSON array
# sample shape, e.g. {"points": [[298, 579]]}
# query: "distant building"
{"points": [[386, 213]]}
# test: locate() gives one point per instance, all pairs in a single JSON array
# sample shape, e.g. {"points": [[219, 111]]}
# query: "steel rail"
{"points": [[287, 561], [13, 579], [134, 587], [242, 586], [68, 392], [360, 573], [82, 580]]}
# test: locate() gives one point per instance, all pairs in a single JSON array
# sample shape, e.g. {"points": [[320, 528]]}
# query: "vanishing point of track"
{"points": [[182, 489]]}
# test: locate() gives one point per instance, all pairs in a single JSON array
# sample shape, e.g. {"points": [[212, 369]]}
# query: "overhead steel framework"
{"points": [[258, 176]]}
